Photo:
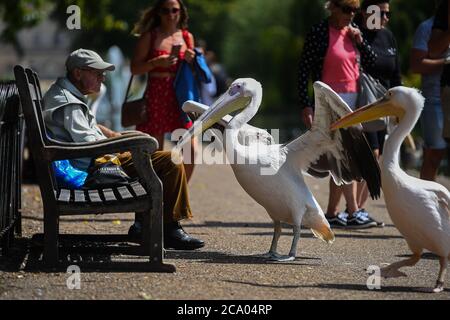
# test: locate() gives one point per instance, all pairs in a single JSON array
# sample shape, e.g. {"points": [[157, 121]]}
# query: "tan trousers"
{"points": [[173, 178]]}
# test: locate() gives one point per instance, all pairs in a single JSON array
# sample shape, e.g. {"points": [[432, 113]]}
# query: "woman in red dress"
{"points": [[160, 28]]}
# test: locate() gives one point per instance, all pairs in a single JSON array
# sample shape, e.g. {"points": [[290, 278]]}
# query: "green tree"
{"points": [[253, 38], [264, 41], [19, 14]]}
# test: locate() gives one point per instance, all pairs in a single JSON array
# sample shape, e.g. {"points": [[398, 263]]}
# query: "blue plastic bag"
{"points": [[67, 176], [187, 85], [201, 67]]}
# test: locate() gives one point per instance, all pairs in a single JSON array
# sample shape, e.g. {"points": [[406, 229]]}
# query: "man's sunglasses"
{"points": [[388, 14], [98, 73], [167, 11], [347, 9]]}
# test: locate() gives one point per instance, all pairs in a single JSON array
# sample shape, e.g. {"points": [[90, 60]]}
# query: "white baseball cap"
{"points": [[83, 58]]}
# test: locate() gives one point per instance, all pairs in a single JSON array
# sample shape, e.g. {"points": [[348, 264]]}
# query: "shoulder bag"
{"points": [[369, 91], [134, 112]]}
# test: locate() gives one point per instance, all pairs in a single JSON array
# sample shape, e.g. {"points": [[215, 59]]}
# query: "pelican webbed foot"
{"points": [[270, 255], [281, 258]]}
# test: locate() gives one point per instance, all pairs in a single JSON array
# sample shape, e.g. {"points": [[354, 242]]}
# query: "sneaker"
{"points": [[360, 221], [339, 221], [364, 213]]}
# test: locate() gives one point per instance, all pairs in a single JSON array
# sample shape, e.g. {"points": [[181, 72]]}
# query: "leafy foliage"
{"points": [[254, 38]]}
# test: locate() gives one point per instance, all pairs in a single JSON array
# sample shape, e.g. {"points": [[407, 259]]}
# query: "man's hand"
{"points": [[308, 116], [108, 132]]}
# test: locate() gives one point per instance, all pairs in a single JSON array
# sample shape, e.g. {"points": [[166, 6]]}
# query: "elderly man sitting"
{"points": [[68, 119]]}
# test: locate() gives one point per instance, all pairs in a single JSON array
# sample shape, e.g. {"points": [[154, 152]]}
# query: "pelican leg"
{"points": [[293, 251], [392, 270], [276, 236], [443, 262]]}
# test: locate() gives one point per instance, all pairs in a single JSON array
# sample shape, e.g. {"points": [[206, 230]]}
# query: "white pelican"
{"points": [[418, 208], [284, 193]]}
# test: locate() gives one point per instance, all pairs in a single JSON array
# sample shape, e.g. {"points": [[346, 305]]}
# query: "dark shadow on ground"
{"points": [[347, 287], [269, 225], [113, 254], [70, 220], [265, 285], [337, 235], [425, 256], [361, 287], [15, 258], [224, 258]]}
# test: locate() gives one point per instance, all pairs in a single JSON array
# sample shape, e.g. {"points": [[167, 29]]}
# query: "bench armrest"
{"points": [[128, 132], [63, 151]]}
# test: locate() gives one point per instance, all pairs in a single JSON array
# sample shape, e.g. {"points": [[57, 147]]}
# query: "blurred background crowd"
{"points": [[261, 39]]}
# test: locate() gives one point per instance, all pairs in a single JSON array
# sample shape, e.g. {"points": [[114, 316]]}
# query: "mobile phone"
{"points": [[175, 50]]}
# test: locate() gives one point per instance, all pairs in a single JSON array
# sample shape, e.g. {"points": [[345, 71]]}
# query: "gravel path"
{"points": [[236, 231]]}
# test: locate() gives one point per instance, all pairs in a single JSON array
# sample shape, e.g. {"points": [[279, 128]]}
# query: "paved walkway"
{"points": [[236, 231]]}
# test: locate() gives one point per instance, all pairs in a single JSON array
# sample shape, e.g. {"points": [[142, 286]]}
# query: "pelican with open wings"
{"points": [[272, 173], [418, 208]]}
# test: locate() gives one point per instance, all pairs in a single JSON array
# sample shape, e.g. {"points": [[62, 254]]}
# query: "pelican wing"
{"points": [[345, 154], [439, 192]]}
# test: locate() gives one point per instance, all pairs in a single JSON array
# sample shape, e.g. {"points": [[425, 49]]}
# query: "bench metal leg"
{"points": [[143, 219], [51, 229], [152, 243], [155, 238], [18, 227], [5, 243]]}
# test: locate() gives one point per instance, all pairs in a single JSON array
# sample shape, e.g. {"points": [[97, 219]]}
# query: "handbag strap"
{"points": [[186, 38], [152, 43], [128, 88]]}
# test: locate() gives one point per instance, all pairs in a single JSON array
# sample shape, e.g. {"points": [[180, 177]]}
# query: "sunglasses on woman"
{"points": [[167, 11], [385, 13], [347, 9]]}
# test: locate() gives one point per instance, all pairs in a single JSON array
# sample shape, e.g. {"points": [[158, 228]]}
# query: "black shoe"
{"points": [[176, 238], [135, 232]]}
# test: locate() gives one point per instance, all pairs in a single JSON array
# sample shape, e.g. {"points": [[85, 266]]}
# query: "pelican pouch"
{"points": [[106, 172]]}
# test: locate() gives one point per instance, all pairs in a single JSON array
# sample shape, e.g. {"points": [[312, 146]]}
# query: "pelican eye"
{"points": [[234, 90]]}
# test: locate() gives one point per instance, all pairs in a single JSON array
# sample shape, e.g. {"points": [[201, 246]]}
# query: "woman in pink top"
{"points": [[330, 54], [160, 28]]}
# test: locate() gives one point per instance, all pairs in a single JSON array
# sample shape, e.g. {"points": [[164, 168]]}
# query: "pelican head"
{"points": [[243, 94], [397, 102]]}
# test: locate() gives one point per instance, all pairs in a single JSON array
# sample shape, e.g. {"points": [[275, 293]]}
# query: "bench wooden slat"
{"points": [[109, 195], [64, 196], [138, 189], [94, 196], [79, 196], [124, 193]]}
